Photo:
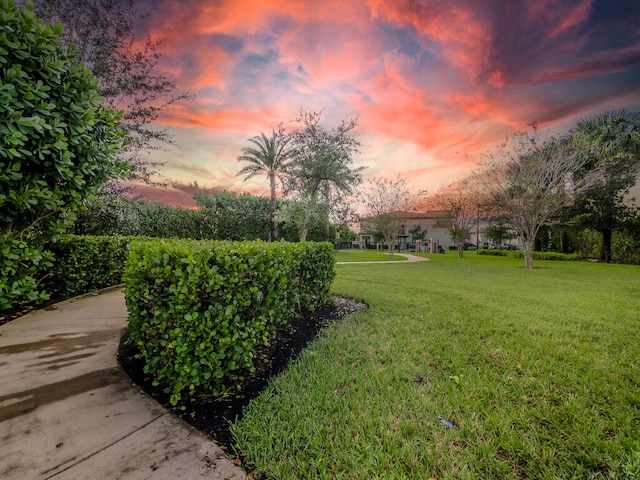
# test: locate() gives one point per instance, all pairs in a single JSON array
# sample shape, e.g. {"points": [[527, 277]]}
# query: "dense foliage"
{"points": [[118, 215], [58, 145], [199, 310], [612, 143], [126, 68], [536, 255], [234, 216], [85, 263]]}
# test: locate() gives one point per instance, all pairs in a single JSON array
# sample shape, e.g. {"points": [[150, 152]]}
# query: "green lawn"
{"points": [[366, 256], [539, 370]]}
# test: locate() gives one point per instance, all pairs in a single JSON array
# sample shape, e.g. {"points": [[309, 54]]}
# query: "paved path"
{"points": [[409, 258], [67, 411]]}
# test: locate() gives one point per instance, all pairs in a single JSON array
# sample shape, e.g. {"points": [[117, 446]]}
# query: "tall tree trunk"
{"points": [[605, 246], [528, 244], [460, 249], [272, 209], [304, 229]]}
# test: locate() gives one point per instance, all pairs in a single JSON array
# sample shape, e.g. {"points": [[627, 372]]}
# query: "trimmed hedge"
{"points": [[72, 265], [199, 309], [536, 255], [546, 255], [85, 263], [493, 253]]}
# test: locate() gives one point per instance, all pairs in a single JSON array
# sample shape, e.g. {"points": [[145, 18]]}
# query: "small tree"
{"points": [[461, 203], [321, 171], [417, 233], [388, 205], [498, 230], [58, 145], [532, 183]]}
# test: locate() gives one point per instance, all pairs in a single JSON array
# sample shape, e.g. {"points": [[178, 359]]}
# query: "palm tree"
{"points": [[270, 156]]}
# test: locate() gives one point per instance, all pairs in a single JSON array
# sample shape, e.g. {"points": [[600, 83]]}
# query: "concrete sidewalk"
{"points": [[67, 411], [409, 259]]}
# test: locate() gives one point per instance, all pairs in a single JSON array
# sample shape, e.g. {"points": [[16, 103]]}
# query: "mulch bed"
{"points": [[212, 415]]}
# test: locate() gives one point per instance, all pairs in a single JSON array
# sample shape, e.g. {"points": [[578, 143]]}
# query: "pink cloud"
{"points": [[450, 79]]}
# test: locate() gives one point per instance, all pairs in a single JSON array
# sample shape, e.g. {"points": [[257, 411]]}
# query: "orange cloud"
{"points": [[433, 84]]}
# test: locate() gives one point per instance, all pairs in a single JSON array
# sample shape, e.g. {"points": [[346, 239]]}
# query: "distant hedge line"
{"points": [[199, 309], [536, 255]]}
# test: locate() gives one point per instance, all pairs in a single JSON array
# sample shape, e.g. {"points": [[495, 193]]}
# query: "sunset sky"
{"points": [[432, 83]]}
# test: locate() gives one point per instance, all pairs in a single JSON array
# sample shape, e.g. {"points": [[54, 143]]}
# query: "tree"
{"points": [[461, 202], [58, 145], [321, 168], [269, 156], [388, 204], [612, 143], [498, 230], [532, 182], [103, 32], [417, 233]]}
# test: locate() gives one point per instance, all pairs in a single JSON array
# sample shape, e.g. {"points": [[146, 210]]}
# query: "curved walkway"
{"points": [[409, 259], [67, 410]]}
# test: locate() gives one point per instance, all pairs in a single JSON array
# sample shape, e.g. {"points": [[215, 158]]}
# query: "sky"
{"points": [[433, 84]]}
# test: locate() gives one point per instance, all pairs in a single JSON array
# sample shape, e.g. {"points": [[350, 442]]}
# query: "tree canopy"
{"points": [[102, 32], [611, 143], [532, 181], [321, 173], [461, 202]]}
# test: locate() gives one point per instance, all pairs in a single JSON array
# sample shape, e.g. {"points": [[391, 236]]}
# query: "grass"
{"points": [[366, 256], [538, 369]]}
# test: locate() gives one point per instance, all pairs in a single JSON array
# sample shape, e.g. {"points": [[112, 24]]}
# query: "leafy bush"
{"points": [[199, 309], [495, 253], [519, 254], [58, 144], [85, 263], [119, 215], [546, 255]]}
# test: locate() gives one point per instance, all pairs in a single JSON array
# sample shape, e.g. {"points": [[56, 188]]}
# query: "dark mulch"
{"points": [[212, 416]]}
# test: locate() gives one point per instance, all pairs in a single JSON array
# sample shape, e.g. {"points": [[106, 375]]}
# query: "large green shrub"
{"points": [[58, 144], [119, 215], [199, 309]]}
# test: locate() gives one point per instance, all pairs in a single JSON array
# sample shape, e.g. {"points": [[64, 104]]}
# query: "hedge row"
{"points": [[536, 255], [69, 265], [199, 309], [546, 255], [85, 263]]}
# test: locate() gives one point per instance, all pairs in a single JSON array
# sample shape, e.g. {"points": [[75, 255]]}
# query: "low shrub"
{"points": [[546, 255], [495, 253], [199, 309]]}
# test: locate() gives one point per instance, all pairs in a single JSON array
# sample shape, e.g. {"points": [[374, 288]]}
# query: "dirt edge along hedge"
{"points": [[199, 309]]}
